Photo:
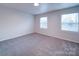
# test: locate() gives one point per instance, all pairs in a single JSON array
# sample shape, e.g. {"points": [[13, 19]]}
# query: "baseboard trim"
{"points": [[15, 37], [59, 38]]}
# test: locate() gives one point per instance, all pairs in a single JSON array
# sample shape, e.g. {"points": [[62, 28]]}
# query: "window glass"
{"points": [[43, 22], [69, 22]]}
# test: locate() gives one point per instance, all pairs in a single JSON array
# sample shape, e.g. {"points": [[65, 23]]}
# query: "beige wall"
{"points": [[14, 23], [54, 25]]}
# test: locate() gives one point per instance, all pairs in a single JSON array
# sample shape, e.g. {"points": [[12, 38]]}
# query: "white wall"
{"points": [[54, 25], [14, 23]]}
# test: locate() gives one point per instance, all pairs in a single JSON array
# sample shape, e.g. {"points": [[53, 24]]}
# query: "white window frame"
{"points": [[73, 25], [43, 23]]}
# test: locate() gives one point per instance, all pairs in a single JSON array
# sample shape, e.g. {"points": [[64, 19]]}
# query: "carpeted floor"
{"points": [[38, 45]]}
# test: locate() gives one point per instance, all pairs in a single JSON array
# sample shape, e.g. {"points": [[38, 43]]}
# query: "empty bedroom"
{"points": [[39, 29]]}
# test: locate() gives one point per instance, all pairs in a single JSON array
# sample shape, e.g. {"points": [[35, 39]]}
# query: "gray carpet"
{"points": [[38, 45]]}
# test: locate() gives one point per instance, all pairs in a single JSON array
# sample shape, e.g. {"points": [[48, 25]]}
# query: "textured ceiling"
{"points": [[42, 8]]}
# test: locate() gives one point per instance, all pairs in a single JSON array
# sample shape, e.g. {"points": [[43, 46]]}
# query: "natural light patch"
{"points": [[69, 22], [43, 22]]}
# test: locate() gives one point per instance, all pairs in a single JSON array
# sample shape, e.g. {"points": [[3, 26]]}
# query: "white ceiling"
{"points": [[42, 8]]}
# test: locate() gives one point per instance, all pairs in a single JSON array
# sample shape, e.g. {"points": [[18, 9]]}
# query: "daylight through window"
{"points": [[43, 22], [69, 22]]}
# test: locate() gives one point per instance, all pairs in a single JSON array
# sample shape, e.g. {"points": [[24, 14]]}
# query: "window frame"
{"points": [[76, 23], [41, 25]]}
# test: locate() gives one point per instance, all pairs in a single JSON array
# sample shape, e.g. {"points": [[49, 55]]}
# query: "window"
{"points": [[69, 22], [43, 22]]}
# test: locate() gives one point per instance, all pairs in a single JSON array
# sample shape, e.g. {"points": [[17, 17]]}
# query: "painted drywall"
{"points": [[14, 23], [54, 25]]}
